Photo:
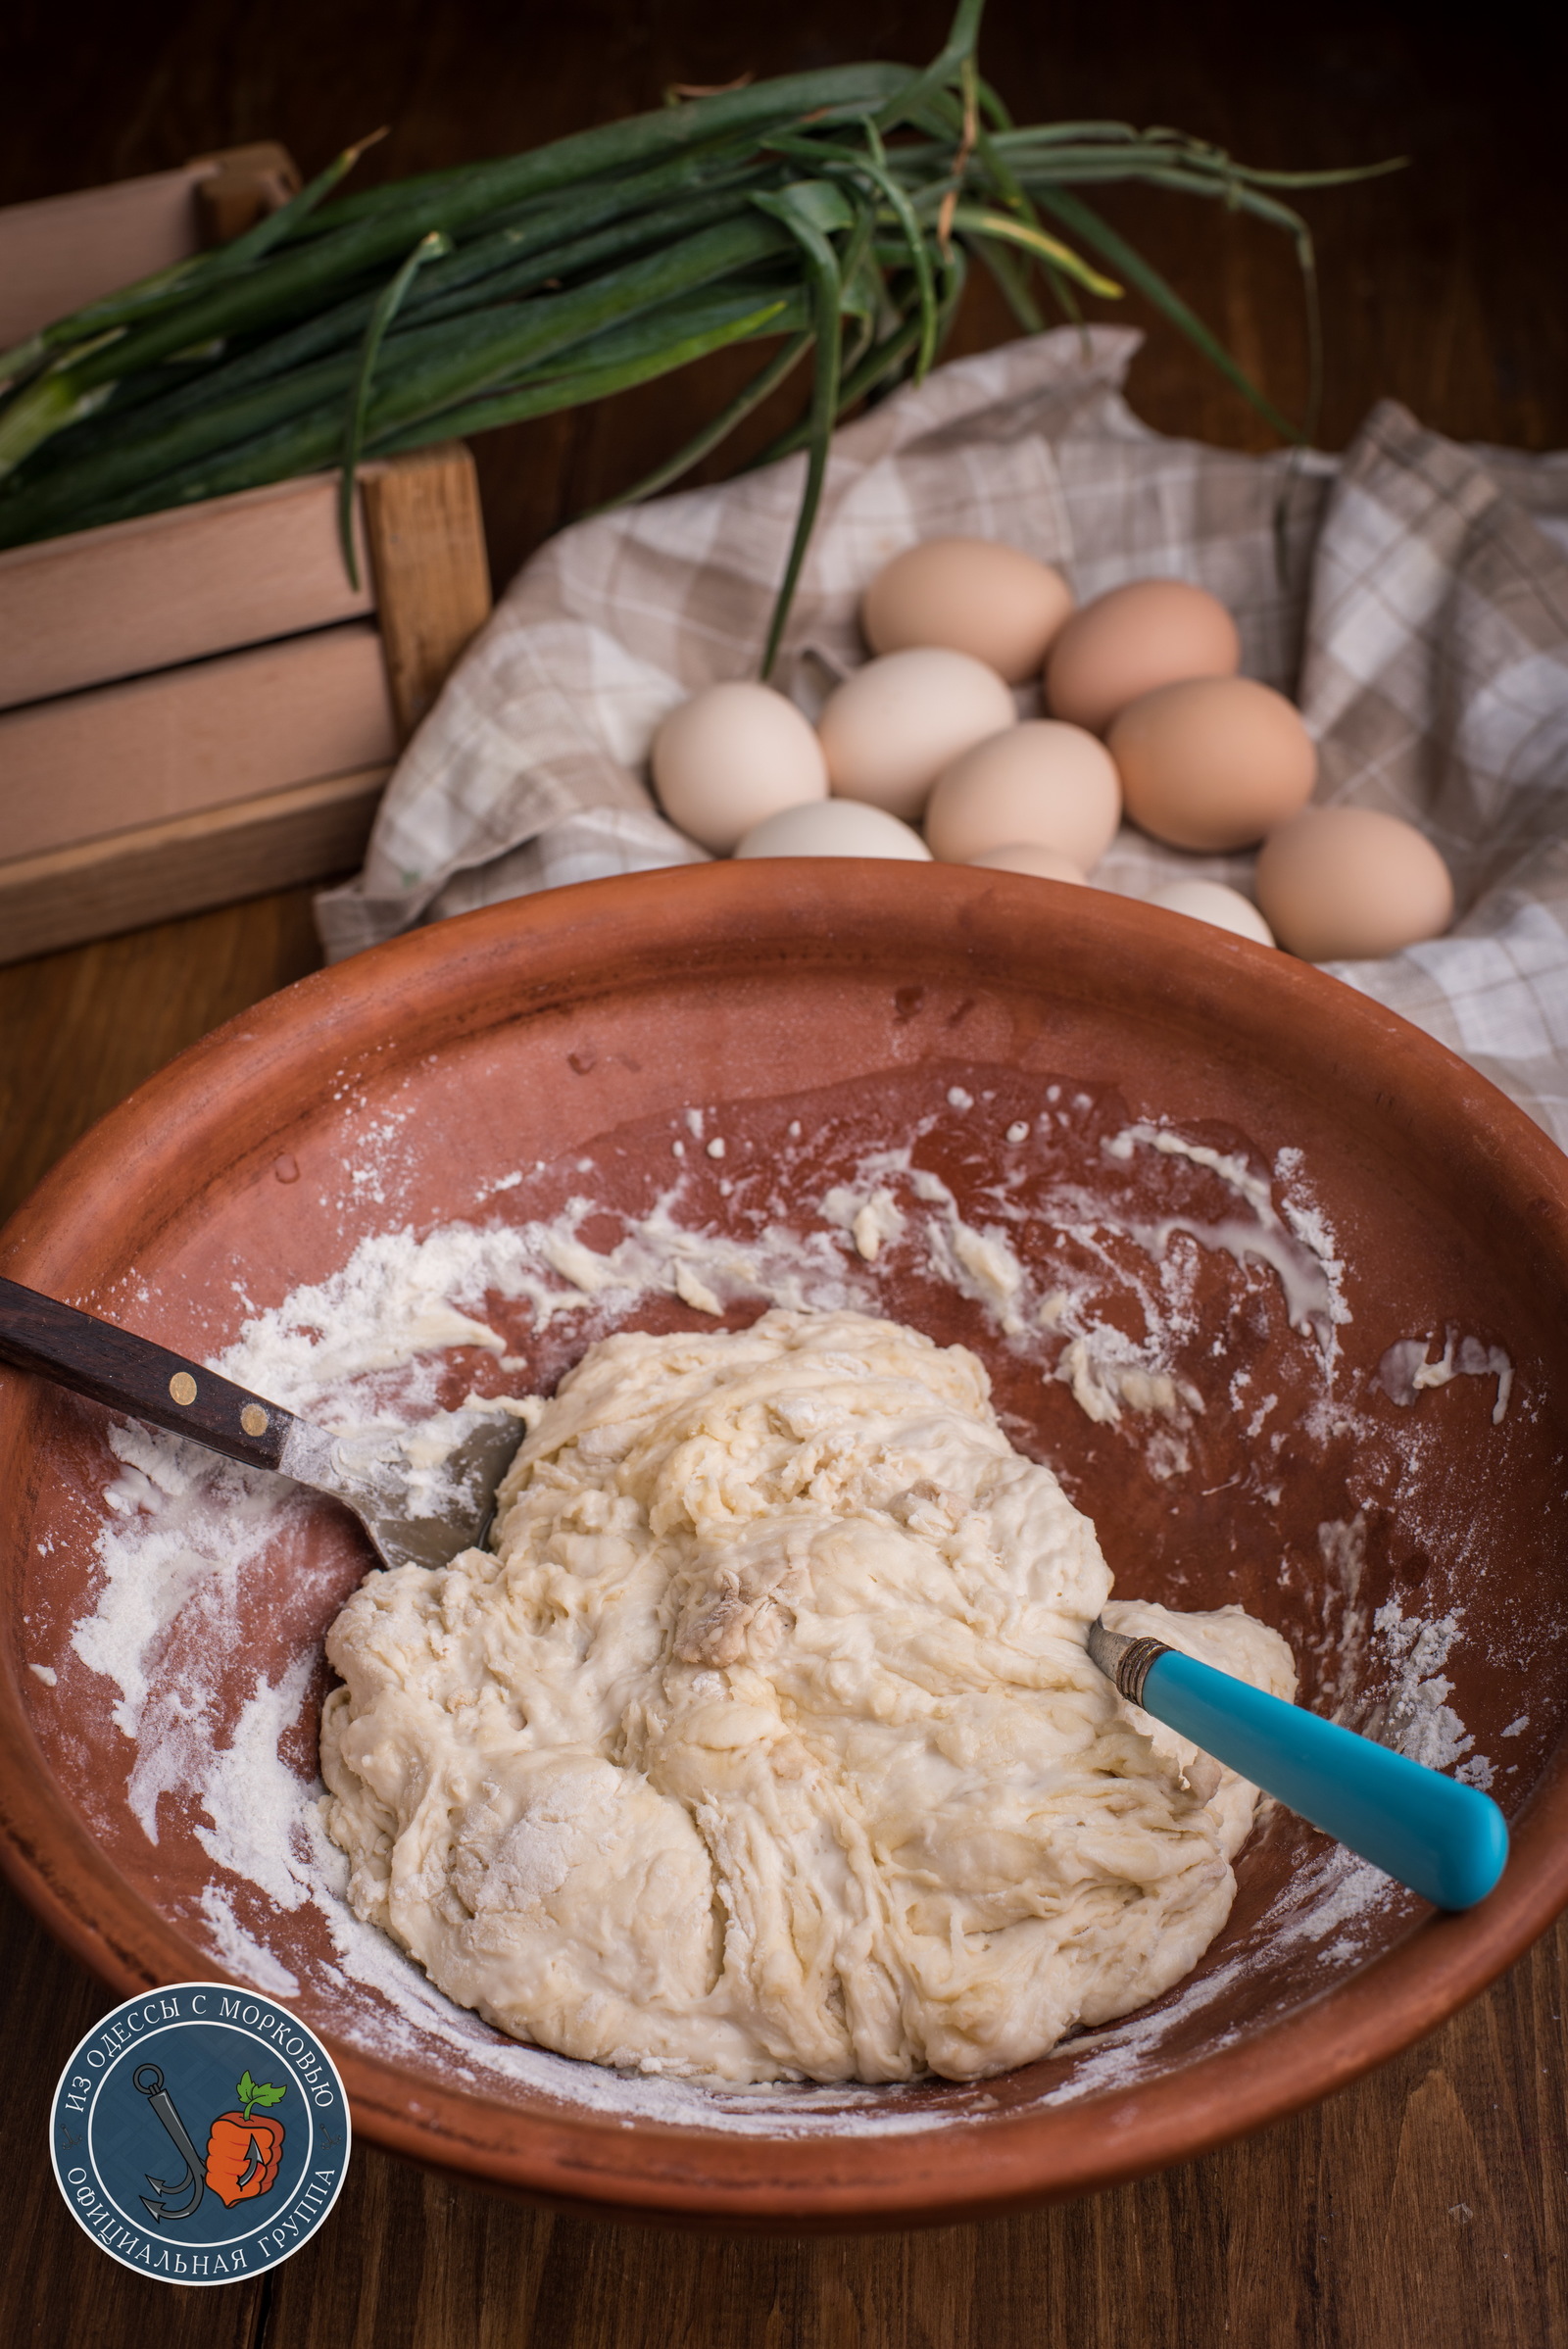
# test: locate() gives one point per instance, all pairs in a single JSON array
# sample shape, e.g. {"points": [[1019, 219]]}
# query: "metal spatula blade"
{"points": [[413, 1516]]}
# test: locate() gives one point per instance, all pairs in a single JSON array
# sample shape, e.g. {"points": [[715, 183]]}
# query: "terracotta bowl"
{"points": [[1407, 1542]]}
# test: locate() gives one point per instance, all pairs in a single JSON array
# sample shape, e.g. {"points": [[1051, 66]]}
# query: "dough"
{"points": [[767, 1743]]}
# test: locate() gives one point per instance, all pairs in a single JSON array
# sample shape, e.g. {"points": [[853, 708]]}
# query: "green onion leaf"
{"points": [[823, 266], [1034, 241], [386, 310], [702, 444], [1076, 214]]}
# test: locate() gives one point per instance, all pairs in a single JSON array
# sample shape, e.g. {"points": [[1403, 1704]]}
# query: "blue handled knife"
{"points": [[1447, 1841]]}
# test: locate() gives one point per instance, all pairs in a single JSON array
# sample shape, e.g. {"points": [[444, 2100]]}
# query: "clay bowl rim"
{"points": [[597, 939]]}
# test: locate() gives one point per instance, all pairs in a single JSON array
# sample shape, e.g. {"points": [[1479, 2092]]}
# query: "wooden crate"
{"points": [[197, 705], [68, 250]]}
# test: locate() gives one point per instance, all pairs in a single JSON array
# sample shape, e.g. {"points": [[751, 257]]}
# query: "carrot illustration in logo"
{"points": [[242, 2151]]}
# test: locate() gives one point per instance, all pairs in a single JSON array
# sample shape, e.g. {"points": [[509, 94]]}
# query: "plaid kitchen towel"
{"points": [[1412, 596]]}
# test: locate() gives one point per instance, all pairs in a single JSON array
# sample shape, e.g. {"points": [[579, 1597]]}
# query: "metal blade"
{"points": [[417, 1510]]}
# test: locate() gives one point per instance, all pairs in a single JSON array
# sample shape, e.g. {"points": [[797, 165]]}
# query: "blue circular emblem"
{"points": [[200, 2132]]}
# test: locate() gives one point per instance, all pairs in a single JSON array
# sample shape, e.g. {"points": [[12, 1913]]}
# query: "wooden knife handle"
{"points": [[130, 1374]]}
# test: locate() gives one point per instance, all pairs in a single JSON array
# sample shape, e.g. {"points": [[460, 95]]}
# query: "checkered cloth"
{"points": [[1412, 596]]}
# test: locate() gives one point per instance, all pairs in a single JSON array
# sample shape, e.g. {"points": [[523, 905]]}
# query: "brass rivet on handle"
{"points": [[182, 1386], [254, 1420]]}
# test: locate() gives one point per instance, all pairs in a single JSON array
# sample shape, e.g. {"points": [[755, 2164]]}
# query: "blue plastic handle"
{"points": [[1446, 1840]]}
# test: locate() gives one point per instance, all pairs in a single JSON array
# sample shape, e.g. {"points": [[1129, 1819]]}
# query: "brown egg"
{"points": [[1018, 857], [1150, 632], [1344, 884], [1213, 763], [1042, 783], [972, 595]]}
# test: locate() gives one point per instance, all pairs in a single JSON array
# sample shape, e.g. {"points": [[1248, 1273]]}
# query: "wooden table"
{"points": [[1429, 2205]]}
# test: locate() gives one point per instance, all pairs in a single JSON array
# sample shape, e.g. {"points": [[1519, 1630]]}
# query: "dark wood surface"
{"points": [[1429, 2205]]}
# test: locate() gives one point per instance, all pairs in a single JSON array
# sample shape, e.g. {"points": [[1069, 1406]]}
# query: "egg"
{"points": [[1051, 785], [1213, 762], [834, 828], [972, 595], [1211, 902], [889, 730], [1017, 857], [732, 756], [1150, 632], [1344, 884]]}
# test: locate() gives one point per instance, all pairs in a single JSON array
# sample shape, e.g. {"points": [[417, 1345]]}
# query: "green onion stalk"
{"points": [[830, 216]]}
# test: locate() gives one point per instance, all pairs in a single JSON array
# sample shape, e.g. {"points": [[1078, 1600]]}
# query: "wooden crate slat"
{"points": [[193, 738], [239, 185], [62, 251], [137, 596], [426, 535], [274, 840], [193, 704]]}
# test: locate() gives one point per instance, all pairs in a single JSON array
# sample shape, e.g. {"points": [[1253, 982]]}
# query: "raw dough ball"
{"points": [[1043, 782], [889, 730], [1214, 763], [1211, 902], [834, 828], [972, 595], [731, 756], [1345, 884], [1151, 632], [1044, 863], [768, 1743]]}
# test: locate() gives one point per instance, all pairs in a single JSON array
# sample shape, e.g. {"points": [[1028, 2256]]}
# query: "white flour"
{"points": [[1297, 1248], [1406, 1373], [1418, 1719], [361, 1352]]}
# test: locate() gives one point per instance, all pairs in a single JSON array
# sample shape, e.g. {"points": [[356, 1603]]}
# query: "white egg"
{"points": [[889, 730], [1211, 902], [732, 756], [834, 828]]}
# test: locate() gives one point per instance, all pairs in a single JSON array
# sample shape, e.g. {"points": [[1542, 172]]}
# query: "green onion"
{"points": [[767, 379], [831, 211], [428, 248], [808, 220], [620, 360], [1075, 213]]}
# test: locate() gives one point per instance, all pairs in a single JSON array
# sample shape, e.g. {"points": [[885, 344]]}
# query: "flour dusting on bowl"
{"points": [[1108, 1307]]}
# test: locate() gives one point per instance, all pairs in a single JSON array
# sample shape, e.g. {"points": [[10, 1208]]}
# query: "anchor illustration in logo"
{"points": [[242, 2156]]}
